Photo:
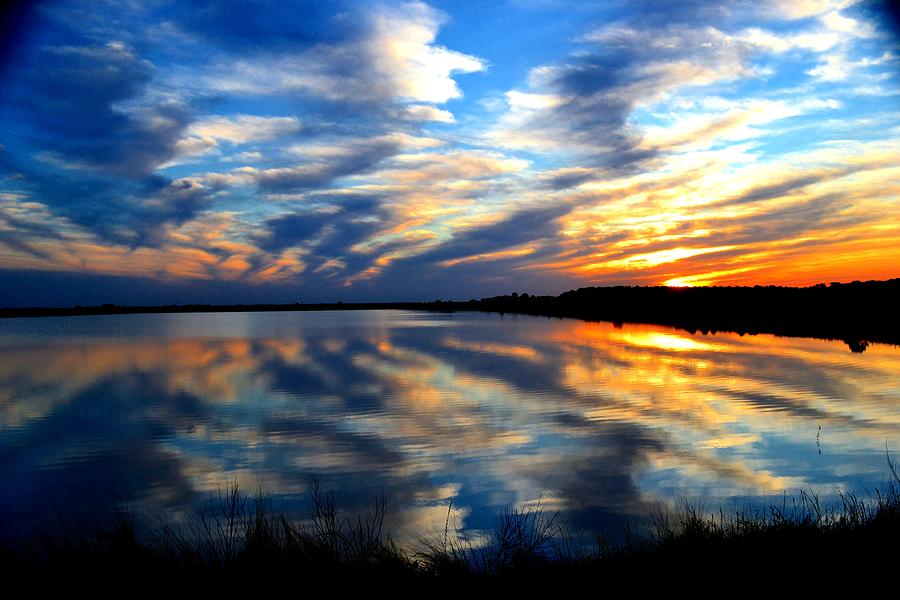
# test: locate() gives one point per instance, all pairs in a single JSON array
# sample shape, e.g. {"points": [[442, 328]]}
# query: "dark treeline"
{"points": [[857, 313]]}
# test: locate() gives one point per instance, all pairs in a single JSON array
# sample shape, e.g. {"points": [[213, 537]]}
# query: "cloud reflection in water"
{"points": [[159, 411]]}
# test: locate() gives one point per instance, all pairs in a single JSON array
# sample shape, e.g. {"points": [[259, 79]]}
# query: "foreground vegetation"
{"points": [[241, 538]]}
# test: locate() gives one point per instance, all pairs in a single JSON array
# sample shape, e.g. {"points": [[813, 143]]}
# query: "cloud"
{"points": [[21, 222], [247, 26], [450, 167], [403, 48], [423, 112], [96, 142], [595, 105], [206, 134], [388, 56], [133, 213], [327, 235], [294, 229], [561, 179], [783, 188], [74, 104], [323, 161], [483, 256], [349, 160], [584, 105], [521, 227]]}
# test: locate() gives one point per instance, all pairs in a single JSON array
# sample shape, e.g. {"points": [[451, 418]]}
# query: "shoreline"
{"points": [[857, 313]]}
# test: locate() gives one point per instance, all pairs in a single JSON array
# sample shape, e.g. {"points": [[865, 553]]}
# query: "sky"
{"points": [[257, 151]]}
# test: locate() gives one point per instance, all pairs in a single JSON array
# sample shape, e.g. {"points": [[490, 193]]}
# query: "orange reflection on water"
{"points": [[727, 391], [522, 352], [663, 341]]}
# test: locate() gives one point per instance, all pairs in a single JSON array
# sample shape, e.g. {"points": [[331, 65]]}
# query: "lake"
{"points": [[460, 414]]}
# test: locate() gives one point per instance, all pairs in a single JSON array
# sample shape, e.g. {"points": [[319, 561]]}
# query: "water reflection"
{"points": [[156, 411]]}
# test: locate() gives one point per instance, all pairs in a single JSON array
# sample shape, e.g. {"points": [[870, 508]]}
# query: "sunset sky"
{"points": [[257, 151]]}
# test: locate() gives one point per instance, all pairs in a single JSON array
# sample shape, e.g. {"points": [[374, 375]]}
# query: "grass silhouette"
{"points": [[242, 537]]}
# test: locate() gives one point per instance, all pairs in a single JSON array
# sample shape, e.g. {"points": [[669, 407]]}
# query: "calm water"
{"points": [[157, 412]]}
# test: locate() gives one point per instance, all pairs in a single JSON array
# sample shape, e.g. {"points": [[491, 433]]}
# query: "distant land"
{"points": [[857, 313]]}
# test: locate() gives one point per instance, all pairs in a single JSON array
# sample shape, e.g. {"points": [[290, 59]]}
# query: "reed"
{"points": [[242, 536]]}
